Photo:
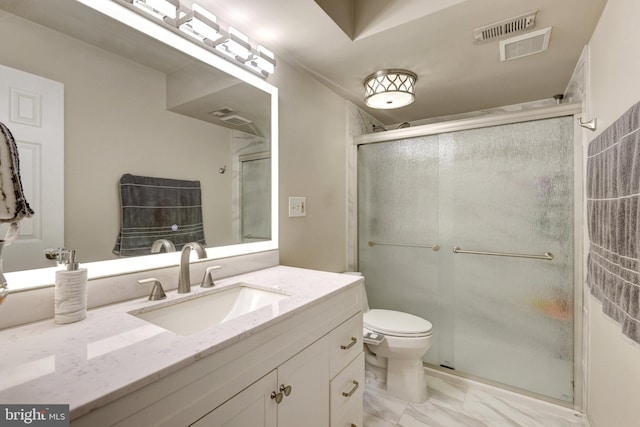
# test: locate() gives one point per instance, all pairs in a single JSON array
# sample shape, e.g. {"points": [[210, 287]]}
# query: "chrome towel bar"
{"points": [[434, 247], [548, 256]]}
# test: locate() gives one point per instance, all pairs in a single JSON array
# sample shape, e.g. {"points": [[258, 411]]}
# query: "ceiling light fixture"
{"points": [[387, 89], [202, 27]]}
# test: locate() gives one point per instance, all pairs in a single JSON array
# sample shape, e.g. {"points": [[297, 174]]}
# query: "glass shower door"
{"points": [[255, 182], [509, 189], [505, 189], [398, 217]]}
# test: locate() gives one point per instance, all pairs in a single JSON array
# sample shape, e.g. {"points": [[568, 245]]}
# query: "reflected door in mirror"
{"points": [[32, 108]]}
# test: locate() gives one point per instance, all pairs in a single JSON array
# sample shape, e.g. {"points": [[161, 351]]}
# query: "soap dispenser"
{"points": [[70, 296]]}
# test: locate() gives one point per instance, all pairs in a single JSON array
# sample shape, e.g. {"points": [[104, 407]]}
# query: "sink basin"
{"points": [[191, 315]]}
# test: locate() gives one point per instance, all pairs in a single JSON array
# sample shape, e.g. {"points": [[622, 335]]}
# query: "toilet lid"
{"points": [[396, 323]]}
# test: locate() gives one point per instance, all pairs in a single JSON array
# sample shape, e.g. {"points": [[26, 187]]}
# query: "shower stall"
{"points": [[472, 226]]}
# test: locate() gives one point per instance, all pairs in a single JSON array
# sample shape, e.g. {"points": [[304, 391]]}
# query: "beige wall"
{"points": [[313, 134], [115, 123], [613, 363]]}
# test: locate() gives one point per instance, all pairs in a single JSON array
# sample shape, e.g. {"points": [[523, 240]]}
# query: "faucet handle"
{"points": [[157, 293], [207, 280]]}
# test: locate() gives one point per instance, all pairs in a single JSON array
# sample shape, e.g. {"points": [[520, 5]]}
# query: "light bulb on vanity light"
{"points": [[237, 46], [264, 61], [158, 8], [202, 25]]}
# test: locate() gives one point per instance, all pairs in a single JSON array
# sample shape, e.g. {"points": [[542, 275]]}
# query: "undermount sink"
{"points": [[190, 315]]}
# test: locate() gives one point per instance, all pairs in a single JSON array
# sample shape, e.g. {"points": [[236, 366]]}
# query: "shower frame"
{"points": [[489, 120]]}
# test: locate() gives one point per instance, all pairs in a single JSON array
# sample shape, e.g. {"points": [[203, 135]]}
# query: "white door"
{"points": [[32, 107]]}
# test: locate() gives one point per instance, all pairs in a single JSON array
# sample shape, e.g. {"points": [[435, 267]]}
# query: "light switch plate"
{"points": [[297, 206]]}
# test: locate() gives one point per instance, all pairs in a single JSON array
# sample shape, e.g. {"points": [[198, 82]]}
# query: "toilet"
{"points": [[394, 345]]}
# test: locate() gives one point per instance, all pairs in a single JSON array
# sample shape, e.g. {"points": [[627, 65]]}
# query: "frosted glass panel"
{"points": [[510, 189], [256, 199], [500, 189], [398, 203]]}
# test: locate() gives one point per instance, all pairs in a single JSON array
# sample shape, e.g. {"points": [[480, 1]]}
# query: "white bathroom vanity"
{"points": [[297, 357]]}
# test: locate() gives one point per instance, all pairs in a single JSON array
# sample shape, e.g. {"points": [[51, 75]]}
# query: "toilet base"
{"points": [[401, 379], [407, 380]]}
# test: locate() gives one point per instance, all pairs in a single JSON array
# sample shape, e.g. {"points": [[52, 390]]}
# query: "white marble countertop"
{"points": [[112, 353]]}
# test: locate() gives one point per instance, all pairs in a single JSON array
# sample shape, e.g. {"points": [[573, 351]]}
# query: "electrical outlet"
{"points": [[297, 206]]}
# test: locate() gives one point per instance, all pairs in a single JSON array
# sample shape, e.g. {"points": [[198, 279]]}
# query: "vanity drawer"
{"points": [[346, 343], [346, 395]]}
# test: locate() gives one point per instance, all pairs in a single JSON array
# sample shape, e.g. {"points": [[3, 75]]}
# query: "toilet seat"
{"points": [[396, 323]]}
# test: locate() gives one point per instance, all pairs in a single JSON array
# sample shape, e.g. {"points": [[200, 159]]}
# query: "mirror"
{"points": [[134, 105]]}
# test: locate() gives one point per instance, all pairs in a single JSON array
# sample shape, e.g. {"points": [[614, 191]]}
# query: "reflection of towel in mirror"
{"points": [[158, 208], [13, 203]]}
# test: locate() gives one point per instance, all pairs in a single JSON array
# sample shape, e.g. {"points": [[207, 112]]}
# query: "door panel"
{"points": [[32, 107]]}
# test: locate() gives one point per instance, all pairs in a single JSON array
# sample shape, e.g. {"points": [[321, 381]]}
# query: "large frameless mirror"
{"points": [[96, 101]]}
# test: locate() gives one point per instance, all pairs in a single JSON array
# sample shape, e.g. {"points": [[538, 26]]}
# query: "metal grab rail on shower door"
{"points": [[410, 245], [548, 256]]}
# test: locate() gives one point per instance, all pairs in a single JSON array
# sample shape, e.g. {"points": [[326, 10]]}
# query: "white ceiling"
{"points": [[433, 38]]}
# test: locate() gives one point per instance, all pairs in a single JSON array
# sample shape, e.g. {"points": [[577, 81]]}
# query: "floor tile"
{"points": [[434, 415], [373, 421], [451, 404], [383, 406]]}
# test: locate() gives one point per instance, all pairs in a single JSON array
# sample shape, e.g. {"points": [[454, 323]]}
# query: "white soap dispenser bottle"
{"points": [[70, 296]]}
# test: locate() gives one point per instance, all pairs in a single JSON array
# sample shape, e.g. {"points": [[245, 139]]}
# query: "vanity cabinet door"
{"points": [[307, 373], [251, 407]]}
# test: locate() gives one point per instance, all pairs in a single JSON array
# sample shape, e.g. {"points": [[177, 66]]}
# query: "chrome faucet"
{"points": [[184, 281], [158, 244]]}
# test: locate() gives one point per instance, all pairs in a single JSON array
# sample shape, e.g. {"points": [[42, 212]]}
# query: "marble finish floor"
{"points": [[452, 404]]}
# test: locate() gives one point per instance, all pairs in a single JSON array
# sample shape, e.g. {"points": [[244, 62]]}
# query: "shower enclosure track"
{"points": [[548, 256]]}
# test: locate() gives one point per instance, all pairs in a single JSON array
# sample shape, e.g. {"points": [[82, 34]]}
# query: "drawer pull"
{"points": [[353, 342], [286, 390], [353, 390], [276, 396]]}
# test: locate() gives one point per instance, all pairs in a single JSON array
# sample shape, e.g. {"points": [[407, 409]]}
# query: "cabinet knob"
{"points": [[286, 390], [353, 390], [276, 396], [353, 342]]}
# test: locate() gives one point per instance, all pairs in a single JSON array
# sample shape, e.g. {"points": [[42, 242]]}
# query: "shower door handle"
{"points": [[548, 256]]}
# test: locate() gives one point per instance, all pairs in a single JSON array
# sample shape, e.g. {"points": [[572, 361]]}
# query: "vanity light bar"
{"points": [[200, 25]]}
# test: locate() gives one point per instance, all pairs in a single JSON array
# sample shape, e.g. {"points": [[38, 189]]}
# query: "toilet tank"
{"points": [[365, 300]]}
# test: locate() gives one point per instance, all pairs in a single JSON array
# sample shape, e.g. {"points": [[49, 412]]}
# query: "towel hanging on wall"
{"points": [[613, 214], [13, 203], [158, 208]]}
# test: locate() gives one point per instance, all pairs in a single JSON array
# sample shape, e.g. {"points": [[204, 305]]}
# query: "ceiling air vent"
{"points": [[236, 120], [222, 112], [505, 27], [525, 45]]}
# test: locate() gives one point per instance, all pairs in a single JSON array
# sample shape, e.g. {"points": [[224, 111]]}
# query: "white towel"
{"points": [[13, 203]]}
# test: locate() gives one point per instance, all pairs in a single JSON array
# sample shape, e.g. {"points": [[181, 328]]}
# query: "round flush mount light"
{"points": [[387, 89]]}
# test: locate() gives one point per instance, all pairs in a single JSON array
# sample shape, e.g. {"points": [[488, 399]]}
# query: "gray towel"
{"points": [[13, 203], [613, 209], [158, 208]]}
